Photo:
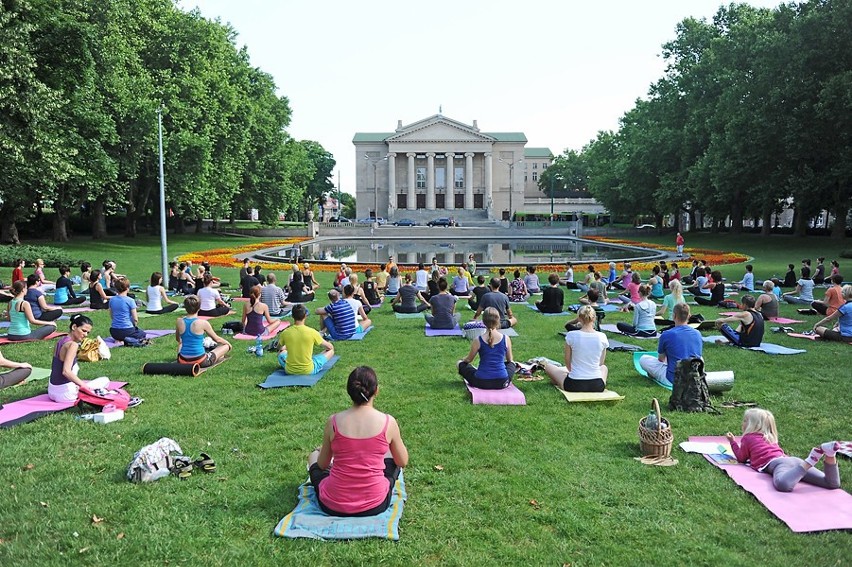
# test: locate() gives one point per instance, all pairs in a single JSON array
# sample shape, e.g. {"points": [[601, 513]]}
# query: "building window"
{"points": [[421, 178], [535, 176], [525, 177], [440, 178], [535, 165], [544, 166], [459, 178]]}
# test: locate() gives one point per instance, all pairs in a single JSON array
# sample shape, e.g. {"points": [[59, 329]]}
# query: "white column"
{"points": [[430, 181], [468, 181], [412, 196], [391, 182], [489, 205], [449, 196]]}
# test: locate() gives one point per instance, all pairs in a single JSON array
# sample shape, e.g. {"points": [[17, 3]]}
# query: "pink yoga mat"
{"points": [[207, 318], [784, 320], [510, 396], [53, 335], [807, 509], [266, 334], [149, 334], [30, 409]]}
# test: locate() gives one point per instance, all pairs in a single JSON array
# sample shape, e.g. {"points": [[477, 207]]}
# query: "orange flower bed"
{"points": [[226, 257]]}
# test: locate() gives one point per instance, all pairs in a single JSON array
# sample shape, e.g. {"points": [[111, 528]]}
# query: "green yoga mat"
{"points": [[636, 356]]}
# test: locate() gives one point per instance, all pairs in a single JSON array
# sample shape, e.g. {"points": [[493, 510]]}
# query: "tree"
{"points": [[320, 184]]}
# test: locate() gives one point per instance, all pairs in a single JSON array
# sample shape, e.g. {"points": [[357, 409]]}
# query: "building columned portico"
{"points": [[443, 167]]}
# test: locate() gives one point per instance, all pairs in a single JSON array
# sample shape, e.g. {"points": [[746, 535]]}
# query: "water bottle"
{"points": [[258, 346], [651, 421]]}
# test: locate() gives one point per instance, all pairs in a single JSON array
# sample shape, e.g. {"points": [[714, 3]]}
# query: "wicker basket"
{"points": [[658, 442]]}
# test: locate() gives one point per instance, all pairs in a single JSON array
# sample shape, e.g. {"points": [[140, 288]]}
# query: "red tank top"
{"points": [[357, 480]]}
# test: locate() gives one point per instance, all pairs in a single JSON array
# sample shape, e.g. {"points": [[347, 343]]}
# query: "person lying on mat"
{"points": [[749, 332], [65, 384], [677, 343], [643, 316], [443, 306], [767, 302], [592, 297], [35, 297], [337, 319], [833, 299], [585, 354], [407, 297], [844, 317], [498, 300], [496, 366], [159, 301], [297, 346], [759, 447], [190, 332], [19, 372], [64, 294], [122, 310], [367, 450], [255, 312], [21, 317], [552, 297]]}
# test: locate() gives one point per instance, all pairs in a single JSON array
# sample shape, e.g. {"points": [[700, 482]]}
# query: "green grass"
{"points": [[596, 505]]}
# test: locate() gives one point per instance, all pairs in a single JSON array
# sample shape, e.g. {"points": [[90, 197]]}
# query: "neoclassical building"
{"points": [[441, 167]]}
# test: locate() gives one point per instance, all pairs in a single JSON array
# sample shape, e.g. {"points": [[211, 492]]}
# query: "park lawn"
{"points": [[547, 483]]}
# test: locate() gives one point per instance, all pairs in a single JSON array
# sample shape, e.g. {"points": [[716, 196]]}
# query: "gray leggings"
{"points": [[15, 376], [788, 471], [36, 334]]}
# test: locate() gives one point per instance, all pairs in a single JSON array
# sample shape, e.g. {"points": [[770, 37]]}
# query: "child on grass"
{"points": [[759, 446]]}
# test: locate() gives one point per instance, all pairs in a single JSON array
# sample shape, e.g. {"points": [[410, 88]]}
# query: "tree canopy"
{"points": [[752, 114], [81, 85]]}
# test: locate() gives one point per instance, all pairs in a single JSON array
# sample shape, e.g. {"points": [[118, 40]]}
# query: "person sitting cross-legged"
{"points": [[189, 334], [843, 316], [643, 316], [443, 315], [358, 307], [498, 300], [676, 344], [494, 349], [552, 297], [585, 354], [297, 346], [477, 292], [338, 317], [407, 297]]}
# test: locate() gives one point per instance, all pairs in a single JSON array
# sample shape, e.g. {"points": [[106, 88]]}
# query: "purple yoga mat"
{"points": [[29, 409], [77, 309], [510, 396], [807, 509], [457, 332], [266, 333], [149, 334]]}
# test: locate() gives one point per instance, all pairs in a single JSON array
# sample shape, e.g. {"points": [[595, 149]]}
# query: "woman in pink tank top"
{"points": [[367, 451]]}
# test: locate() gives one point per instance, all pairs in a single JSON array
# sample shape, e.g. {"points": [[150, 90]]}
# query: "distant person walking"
{"points": [[679, 242]]}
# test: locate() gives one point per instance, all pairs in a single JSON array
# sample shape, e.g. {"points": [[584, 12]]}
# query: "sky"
{"points": [[559, 71]]}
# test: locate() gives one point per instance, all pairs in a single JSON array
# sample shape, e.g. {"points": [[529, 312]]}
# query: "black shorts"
{"points": [[571, 385]]}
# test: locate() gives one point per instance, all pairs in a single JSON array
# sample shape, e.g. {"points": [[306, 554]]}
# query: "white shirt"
{"points": [[155, 300], [208, 296], [422, 278], [586, 350], [354, 304], [569, 275], [807, 292]]}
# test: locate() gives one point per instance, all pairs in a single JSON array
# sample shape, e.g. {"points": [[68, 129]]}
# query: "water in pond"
{"points": [[455, 251]]}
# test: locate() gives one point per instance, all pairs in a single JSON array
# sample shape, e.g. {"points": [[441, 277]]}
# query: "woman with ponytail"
{"points": [[65, 384], [496, 367], [255, 312], [212, 304], [21, 317], [367, 450]]}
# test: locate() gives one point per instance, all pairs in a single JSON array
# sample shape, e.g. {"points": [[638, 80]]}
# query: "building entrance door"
{"points": [[478, 201], [421, 200], [440, 201], [401, 201], [459, 200]]}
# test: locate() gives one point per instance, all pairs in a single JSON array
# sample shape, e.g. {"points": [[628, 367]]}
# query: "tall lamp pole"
{"points": [[163, 246], [375, 164], [511, 182]]}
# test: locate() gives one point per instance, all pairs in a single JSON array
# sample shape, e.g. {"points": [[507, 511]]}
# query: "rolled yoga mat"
{"points": [[171, 368]]}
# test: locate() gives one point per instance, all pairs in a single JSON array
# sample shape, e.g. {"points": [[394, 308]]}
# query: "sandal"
{"points": [[205, 463], [182, 468]]}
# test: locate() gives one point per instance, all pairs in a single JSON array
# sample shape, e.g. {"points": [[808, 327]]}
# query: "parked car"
{"points": [[339, 219], [443, 221], [646, 226], [404, 222], [371, 220]]}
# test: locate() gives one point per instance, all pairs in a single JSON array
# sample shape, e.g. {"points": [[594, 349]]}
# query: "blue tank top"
{"points": [[191, 345], [657, 288], [492, 360], [57, 378]]}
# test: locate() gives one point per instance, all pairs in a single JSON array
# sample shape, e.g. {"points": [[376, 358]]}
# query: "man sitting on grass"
{"points": [[297, 346], [676, 344], [499, 301]]}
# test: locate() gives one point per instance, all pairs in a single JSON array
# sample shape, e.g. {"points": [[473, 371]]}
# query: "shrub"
{"points": [[53, 257], [846, 254]]}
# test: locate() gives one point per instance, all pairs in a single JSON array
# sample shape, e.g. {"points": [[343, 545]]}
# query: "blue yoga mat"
{"points": [[636, 356], [409, 315], [768, 348], [280, 379], [357, 336]]}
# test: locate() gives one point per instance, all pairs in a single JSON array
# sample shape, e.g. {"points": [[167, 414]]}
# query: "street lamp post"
{"points": [[511, 182], [375, 164], [164, 255]]}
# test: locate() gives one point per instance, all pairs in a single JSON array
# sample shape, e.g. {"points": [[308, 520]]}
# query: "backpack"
{"points": [[102, 397], [89, 350], [154, 461], [689, 392]]}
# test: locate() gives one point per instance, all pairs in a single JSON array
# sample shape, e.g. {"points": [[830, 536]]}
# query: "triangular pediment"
{"points": [[439, 128]]}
